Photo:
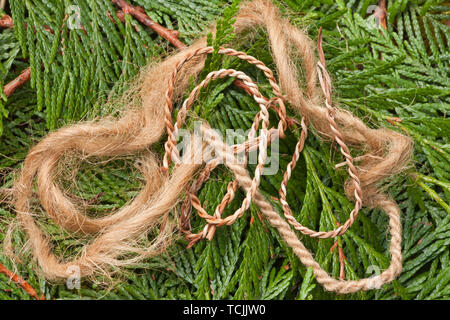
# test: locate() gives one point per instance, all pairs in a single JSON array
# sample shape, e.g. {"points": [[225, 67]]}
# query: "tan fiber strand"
{"points": [[341, 286], [174, 180]]}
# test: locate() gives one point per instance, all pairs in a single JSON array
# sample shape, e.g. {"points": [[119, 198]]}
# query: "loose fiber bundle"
{"points": [[138, 128]]}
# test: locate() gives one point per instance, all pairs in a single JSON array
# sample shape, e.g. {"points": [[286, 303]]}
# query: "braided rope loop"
{"points": [[261, 142]]}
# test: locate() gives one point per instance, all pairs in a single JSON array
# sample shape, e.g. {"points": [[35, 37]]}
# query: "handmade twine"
{"points": [[148, 116]]}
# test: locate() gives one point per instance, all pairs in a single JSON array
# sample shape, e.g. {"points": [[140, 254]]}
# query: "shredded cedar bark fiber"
{"points": [[146, 120]]}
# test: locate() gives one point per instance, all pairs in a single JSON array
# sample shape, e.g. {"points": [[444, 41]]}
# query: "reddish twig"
{"points": [[381, 14], [335, 244], [19, 281], [394, 120], [169, 35], [6, 22], [23, 78], [342, 257], [380, 17]]}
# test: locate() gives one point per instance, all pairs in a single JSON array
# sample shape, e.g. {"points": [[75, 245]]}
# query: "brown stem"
{"points": [[341, 263], [19, 281], [381, 14], [342, 257], [17, 82], [6, 22], [169, 35]]}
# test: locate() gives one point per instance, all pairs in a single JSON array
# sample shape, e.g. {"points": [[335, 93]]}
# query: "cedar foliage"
{"points": [[396, 78]]}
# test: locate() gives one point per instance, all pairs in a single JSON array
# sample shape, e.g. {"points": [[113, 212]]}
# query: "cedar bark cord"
{"points": [[149, 116]]}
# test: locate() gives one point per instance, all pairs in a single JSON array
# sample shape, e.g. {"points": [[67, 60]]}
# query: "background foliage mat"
{"points": [[394, 75]]}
